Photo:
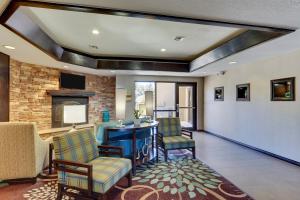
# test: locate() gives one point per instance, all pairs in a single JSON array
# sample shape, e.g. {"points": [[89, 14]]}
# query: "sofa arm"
{"points": [[110, 150], [41, 152]]}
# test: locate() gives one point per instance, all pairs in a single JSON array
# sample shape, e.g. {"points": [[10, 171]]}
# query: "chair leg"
{"points": [[129, 178], [156, 144], [194, 152], [166, 155], [59, 191]]}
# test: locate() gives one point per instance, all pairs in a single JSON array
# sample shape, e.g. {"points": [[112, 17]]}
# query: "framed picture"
{"points": [[219, 94], [243, 92], [283, 89]]}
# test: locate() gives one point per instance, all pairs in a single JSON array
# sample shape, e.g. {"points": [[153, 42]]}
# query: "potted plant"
{"points": [[137, 120]]}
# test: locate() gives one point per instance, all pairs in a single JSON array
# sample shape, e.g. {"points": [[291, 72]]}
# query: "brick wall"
{"points": [[105, 96], [29, 101]]}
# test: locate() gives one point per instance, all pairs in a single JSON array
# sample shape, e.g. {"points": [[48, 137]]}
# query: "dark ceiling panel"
{"points": [[143, 65], [27, 29], [241, 42], [115, 63], [79, 59]]}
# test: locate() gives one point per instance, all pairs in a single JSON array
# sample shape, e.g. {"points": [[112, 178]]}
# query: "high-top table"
{"points": [[132, 128]]}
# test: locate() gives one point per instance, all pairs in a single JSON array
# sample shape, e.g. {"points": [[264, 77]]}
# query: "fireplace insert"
{"points": [[58, 103]]}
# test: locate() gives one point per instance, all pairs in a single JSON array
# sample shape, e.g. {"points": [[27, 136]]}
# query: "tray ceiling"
{"points": [[127, 36], [129, 39]]}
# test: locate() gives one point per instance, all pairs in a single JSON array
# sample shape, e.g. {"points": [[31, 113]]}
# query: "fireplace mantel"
{"points": [[71, 93]]}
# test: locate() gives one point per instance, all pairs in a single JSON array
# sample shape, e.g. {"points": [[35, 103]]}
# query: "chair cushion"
{"points": [[78, 146], [169, 126], [107, 171], [178, 142]]}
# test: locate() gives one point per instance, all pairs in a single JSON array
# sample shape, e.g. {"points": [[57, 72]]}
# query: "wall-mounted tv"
{"points": [[72, 81]]}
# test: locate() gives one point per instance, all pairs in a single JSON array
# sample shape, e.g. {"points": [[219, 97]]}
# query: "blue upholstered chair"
{"points": [[81, 165], [171, 136]]}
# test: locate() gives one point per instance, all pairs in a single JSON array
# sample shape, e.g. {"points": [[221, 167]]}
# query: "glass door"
{"points": [[186, 104], [165, 104]]}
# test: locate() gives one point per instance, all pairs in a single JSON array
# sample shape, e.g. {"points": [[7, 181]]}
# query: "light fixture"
{"points": [[112, 71], [93, 46], [232, 62], [66, 67], [120, 105], [95, 32], [222, 72], [179, 38], [149, 103], [9, 47], [163, 50]]}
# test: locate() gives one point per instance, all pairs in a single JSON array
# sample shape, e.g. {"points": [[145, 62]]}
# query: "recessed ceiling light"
{"points": [[163, 50], [95, 32], [9, 47], [179, 38], [112, 71], [232, 62]]}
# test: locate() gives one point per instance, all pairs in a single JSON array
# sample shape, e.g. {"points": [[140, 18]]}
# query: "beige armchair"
{"points": [[23, 154]]}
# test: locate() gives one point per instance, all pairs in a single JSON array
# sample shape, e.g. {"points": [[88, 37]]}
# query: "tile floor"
{"points": [[261, 176]]}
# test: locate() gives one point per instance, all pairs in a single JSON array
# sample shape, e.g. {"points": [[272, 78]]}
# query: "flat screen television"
{"points": [[72, 81]]}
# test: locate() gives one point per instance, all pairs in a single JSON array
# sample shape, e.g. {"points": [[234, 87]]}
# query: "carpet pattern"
{"points": [[181, 178]]}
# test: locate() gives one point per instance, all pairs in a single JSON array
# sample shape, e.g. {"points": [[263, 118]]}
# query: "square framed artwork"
{"points": [[243, 92], [283, 89], [219, 94]]}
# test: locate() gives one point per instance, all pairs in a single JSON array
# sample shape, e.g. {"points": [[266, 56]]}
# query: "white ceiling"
{"points": [[282, 13], [284, 45], [127, 36]]}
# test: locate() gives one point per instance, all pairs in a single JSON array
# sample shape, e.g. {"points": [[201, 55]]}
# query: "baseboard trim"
{"points": [[255, 149], [20, 181]]}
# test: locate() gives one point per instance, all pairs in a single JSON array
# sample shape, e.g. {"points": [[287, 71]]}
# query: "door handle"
{"points": [[188, 107]]}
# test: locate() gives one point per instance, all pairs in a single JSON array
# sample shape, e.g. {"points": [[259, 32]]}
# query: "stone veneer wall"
{"points": [[29, 101]]}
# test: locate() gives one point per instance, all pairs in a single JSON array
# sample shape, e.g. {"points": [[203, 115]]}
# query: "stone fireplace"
{"points": [[67, 97], [30, 99]]}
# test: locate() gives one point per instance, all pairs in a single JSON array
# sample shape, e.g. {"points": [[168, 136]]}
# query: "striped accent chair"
{"points": [[81, 166], [171, 136]]}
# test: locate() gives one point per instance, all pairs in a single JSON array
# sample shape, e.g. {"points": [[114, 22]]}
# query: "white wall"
{"points": [[271, 126], [128, 82]]}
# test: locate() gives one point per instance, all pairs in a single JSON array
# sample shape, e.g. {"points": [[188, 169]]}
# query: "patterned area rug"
{"points": [[181, 178]]}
